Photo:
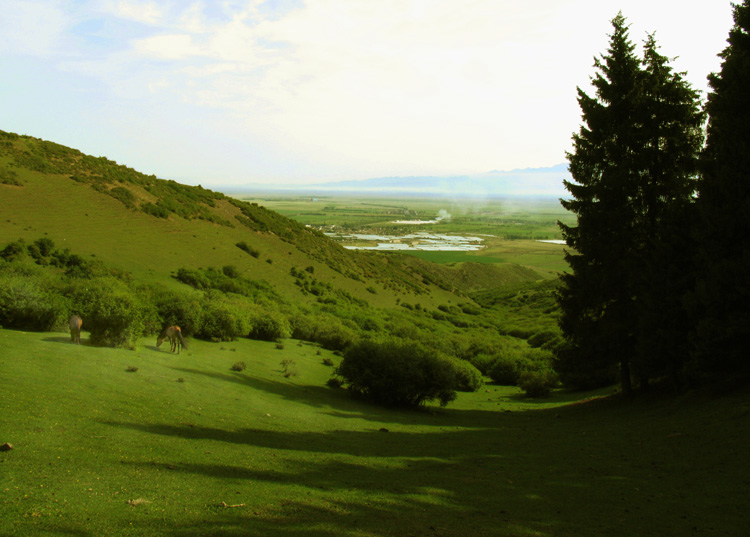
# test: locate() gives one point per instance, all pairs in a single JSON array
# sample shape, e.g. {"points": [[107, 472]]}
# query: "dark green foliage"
{"points": [[270, 326], [14, 250], [483, 362], [155, 210], [28, 301], [113, 312], [227, 280], [468, 377], [720, 301], [124, 195], [325, 329], [9, 177], [225, 318], [238, 366], [247, 248], [505, 369], [179, 309], [633, 167], [509, 366], [538, 383], [397, 373]]}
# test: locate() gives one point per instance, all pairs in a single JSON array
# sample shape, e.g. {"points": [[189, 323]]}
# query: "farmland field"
{"points": [[509, 229]]}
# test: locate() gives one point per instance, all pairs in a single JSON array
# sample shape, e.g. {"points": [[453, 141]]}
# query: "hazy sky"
{"points": [[294, 91]]}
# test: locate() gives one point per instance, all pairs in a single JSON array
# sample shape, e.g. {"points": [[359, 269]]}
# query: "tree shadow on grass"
{"points": [[459, 483], [348, 407], [582, 474]]}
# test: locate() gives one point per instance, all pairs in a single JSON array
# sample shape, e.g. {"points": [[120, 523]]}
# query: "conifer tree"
{"points": [[722, 297], [672, 122], [596, 298], [633, 165]]}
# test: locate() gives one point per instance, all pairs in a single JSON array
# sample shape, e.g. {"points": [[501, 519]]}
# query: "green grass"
{"points": [[198, 449]]}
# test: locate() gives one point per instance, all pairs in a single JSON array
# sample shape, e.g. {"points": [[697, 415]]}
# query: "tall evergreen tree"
{"points": [[722, 297], [633, 166], [672, 122], [596, 298]]}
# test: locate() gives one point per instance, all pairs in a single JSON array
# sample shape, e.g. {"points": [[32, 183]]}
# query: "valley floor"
{"points": [[145, 442]]}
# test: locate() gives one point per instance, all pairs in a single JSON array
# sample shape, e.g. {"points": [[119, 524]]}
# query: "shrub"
{"points": [[230, 271], [506, 369], [483, 362], [112, 311], [247, 248], [328, 362], [289, 368], [398, 373], [28, 303], [270, 326], [334, 382], [542, 338], [538, 383], [224, 318], [238, 366], [468, 377], [180, 309]]}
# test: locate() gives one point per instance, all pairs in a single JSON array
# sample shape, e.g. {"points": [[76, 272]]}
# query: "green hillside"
{"points": [[152, 227]]}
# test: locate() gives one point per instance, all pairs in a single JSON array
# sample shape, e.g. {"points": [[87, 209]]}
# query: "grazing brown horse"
{"points": [[174, 334], [75, 323]]}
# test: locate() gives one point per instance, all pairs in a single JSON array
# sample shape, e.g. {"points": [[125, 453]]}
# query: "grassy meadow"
{"points": [[186, 446]]}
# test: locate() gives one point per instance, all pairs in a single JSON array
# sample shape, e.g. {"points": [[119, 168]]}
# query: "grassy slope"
{"points": [[90, 222], [254, 453]]}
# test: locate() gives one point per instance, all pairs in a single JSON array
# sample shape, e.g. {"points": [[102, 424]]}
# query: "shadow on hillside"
{"points": [[373, 442], [588, 473], [467, 482], [348, 407]]}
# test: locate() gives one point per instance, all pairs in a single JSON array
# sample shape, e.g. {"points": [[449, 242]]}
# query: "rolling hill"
{"points": [[152, 227]]}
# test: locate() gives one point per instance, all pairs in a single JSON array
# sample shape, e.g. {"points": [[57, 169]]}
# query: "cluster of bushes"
{"points": [[41, 286], [531, 369]]}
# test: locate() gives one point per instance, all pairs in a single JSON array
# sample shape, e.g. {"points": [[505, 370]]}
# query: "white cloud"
{"points": [[167, 47], [362, 87], [145, 12]]}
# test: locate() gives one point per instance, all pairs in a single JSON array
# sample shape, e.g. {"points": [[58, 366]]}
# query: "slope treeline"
{"points": [[658, 287]]}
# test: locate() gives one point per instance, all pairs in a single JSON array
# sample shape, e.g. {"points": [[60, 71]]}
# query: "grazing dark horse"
{"points": [[75, 323], [174, 334]]}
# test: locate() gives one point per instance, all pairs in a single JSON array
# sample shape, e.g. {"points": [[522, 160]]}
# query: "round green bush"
{"points": [[112, 312], [398, 373], [270, 326], [506, 369], [538, 383], [468, 377]]}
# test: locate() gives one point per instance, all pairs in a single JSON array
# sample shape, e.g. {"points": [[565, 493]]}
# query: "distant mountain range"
{"points": [[529, 182]]}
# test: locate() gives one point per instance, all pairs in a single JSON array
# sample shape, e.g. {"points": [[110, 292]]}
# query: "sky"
{"points": [[306, 91]]}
